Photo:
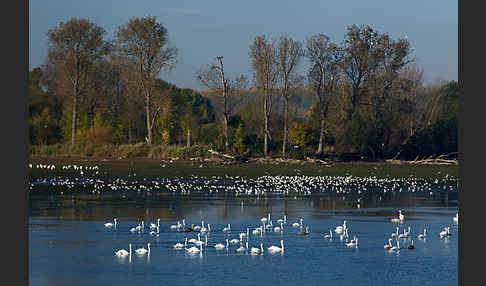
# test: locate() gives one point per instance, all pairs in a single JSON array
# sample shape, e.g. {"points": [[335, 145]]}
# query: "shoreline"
{"points": [[220, 162], [173, 167]]}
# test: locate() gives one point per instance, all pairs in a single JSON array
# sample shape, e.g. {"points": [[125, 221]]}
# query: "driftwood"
{"points": [[438, 160], [316, 161], [221, 155]]}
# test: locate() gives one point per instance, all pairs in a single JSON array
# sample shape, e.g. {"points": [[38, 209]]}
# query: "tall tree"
{"points": [[141, 43], [325, 58], [289, 53], [264, 63], [359, 60], [214, 79], [76, 45]]}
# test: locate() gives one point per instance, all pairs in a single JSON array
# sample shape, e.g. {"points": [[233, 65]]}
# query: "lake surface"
{"points": [[69, 244]]}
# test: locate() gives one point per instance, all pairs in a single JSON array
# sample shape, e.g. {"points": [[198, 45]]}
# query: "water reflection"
{"points": [[218, 207]]}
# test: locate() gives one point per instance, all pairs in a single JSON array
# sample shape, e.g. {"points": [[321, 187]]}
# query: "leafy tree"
{"points": [[240, 137], [300, 134], [140, 43], [325, 58], [42, 127], [359, 59], [76, 45]]}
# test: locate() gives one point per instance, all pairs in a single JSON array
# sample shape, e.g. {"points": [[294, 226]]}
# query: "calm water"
{"points": [[69, 245]]}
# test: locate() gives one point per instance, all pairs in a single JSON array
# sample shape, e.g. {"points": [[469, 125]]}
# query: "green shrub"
{"points": [[140, 149], [105, 150]]}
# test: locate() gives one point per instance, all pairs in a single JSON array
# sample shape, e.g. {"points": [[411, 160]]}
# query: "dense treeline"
{"points": [[363, 98]]}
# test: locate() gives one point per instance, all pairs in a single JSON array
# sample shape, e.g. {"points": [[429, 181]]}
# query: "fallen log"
{"points": [[216, 153]]}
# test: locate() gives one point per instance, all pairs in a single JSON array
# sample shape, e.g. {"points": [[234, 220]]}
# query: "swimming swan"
{"points": [[276, 249], [123, 252]]}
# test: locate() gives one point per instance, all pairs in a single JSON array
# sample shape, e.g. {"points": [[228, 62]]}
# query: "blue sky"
{"points": [[202, 30]]}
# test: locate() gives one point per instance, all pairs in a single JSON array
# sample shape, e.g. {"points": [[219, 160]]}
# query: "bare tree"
{"points": [[264, 63], [141, 43], [325, 58], [289, 53], [214, 78], [76, 45]]}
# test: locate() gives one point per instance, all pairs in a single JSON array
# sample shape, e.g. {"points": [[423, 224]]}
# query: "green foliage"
{"points": [[140, 149], [95, 135], [359, 132], [300, 134], [240, 137]]}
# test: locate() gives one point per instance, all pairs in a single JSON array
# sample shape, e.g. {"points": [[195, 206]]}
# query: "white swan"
{"points": [[420, 236], [255, 250], [395, 233], [397, 247], [235, 241], [389, 244], [276, 249], [241, 248], [134, 229], [328, 235], [153, 225], [228, 228], [199, 241], [110, 224], [353, 242], [221, 246], [407, 233], [400, 218], [278, 228], [456, 218], [194, 250], [443, 233], [123, 252], [193, 240], [179, 225], [142, 251], [175, 226], [340, 228], [180, 245], [401, 235]]}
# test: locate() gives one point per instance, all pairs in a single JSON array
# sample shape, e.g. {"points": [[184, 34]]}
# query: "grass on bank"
{"points": [[121, 151]]}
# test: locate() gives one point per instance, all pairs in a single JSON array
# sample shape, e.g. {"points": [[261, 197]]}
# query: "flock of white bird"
{"points": [[90, 180], [407, 234], [265, 224]]}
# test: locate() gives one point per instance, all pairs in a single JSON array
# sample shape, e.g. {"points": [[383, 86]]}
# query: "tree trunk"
{"points": [[320, 149], [225, 105], [188, 144], [147, 111], [354, 99], [75, 101], [226, 143], [286, 115], [129, 129], [75, 108], [265, 114]]}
